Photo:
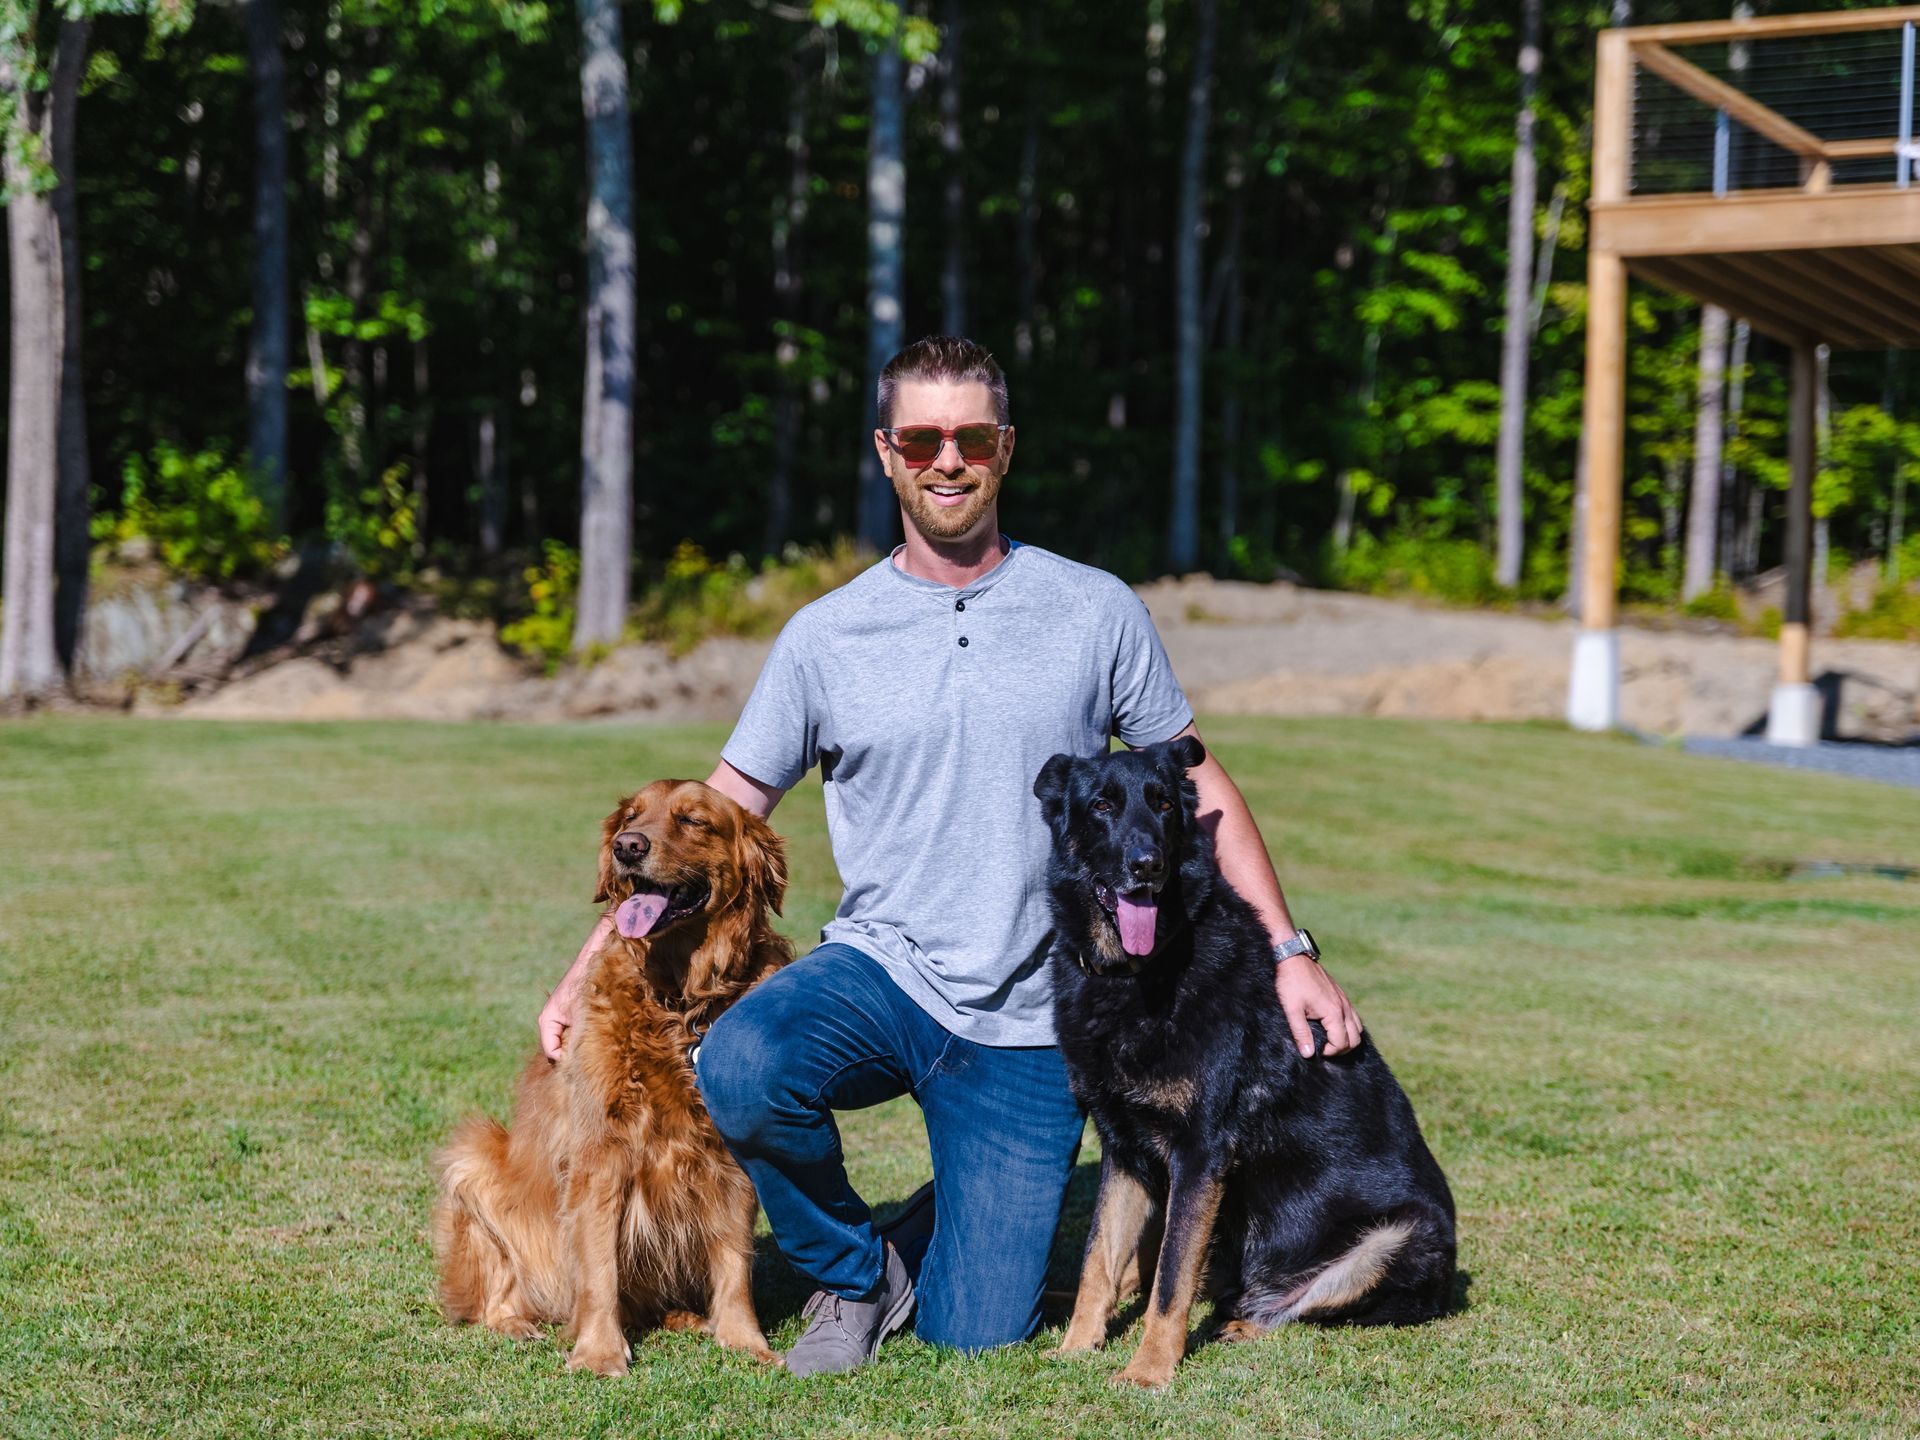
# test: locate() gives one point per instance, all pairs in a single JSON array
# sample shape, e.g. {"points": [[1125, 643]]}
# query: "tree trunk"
{"points": [[1183, 515], [72, 537], [953, 270], [1233, 327], [489, 479], [1709, 430], [268, 343], [29, 662], [788, 214], [1732, 535], [1027, 193], [606, 425], [886, 215], [1510, 485]]}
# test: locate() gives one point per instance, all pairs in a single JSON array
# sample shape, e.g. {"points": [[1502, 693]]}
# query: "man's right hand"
{"points": [[556, 1015]]}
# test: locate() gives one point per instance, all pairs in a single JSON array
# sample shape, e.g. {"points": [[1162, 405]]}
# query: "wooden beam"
{"points": [[1612, 116], [1698, 224], [1879, 283], [1604, 425], [1737, 103], [1862, 149], [1834, 22], [1716, 287], [1901, 257], [1853, 318]]}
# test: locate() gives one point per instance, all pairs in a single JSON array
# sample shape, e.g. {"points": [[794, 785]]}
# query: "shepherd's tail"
{"points": [[1399, 1272]]}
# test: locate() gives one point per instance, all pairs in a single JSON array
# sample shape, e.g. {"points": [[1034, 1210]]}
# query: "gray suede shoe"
{"points": [[844, 1334]]}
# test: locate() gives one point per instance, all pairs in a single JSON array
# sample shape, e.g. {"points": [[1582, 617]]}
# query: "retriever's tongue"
{"points": [[639, 913], [1137, 918]]}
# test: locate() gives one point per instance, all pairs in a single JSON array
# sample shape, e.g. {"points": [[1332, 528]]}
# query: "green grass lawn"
{"points": [[249, 975]]}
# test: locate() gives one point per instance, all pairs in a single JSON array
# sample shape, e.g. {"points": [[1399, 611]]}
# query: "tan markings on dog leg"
{"points": [[1183, 1252], [1348, 1280], [1120, 1217], [1136, 1275], [596, 1198]]}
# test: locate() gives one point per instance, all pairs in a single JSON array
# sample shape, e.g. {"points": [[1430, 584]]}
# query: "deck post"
{"points": [[1793, 716], [1593, 691]]}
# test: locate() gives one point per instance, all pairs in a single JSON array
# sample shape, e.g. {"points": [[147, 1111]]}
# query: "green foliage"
{"points": [[1406, 563], [698, 597], [377, 525], [553, 587], [1893, 615], [198, 511], [1719, 603]]}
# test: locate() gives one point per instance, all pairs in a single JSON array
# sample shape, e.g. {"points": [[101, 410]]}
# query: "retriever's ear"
{"points": [[609, 827], [1050, 786], [763, 860], [1187, 751]]}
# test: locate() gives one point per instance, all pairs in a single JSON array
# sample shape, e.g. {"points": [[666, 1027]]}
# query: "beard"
{"points": [[945, 522]]}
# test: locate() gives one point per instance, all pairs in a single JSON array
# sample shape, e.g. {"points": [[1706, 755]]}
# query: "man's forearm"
{"points": [[577, 970], [1238, 845]]}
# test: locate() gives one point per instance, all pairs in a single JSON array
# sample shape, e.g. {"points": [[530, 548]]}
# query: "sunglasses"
{"points": [[920, 445]]}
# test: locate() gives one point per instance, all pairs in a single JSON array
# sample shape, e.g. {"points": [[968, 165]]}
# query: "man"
{"points": [[930, 690]]}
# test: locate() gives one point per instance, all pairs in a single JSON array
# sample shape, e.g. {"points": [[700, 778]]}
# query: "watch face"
{"points": [[1307, 947]]}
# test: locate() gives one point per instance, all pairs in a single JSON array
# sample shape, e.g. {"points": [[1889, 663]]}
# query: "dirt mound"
{"points": [[1239, 649]]}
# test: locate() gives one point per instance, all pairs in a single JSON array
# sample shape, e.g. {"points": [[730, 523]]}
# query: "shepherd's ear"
{"points": [[1050, 786], [1187, 751]]}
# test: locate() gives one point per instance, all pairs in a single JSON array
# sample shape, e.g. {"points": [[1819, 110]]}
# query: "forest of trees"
{"points": [[474, 284]]}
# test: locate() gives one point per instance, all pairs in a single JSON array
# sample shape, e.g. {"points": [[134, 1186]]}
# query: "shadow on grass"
{"points": [[780, 1292]]}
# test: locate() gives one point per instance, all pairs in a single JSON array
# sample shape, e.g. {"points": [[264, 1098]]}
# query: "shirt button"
{"points": [[963, 642], [959, 604]]}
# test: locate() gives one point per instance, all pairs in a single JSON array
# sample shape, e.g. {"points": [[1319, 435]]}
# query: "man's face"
{"points": [[953, 498]]}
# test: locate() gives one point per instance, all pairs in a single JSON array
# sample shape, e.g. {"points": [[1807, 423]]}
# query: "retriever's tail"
{"points": [[1399, 1272]]}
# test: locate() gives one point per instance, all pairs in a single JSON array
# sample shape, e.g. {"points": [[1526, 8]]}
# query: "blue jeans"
{"points": [[832, 1032]]}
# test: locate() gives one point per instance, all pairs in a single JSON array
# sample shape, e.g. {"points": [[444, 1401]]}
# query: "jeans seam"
{"points": [[820, 1095], [938, 1060]]}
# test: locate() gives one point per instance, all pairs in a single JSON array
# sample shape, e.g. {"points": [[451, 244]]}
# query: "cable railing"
{"points": [[1782, 103]]}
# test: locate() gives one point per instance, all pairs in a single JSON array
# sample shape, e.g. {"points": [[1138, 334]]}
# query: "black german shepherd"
{"points": [[1309, 1177]]}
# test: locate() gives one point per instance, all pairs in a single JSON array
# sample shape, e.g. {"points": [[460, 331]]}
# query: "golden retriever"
{"points": [[611, 1201]]}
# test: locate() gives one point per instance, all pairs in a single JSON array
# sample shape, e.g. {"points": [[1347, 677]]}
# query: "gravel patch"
{"points": [[1891, 765]]}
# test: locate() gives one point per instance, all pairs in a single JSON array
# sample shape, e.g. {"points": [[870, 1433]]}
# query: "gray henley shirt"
{"points": [[929, 711]]}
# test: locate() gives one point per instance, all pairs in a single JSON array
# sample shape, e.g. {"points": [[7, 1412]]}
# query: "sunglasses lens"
{"points": [[977, 442], [918, 444]]}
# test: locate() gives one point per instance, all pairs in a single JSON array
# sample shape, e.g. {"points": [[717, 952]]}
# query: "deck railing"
{"points": [[1806, 102]]}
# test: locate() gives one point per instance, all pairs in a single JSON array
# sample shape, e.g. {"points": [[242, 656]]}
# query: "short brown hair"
{"points": [[951, 359]]}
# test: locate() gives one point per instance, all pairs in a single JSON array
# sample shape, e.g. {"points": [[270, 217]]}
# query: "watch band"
{"points": [[1299, 943]]}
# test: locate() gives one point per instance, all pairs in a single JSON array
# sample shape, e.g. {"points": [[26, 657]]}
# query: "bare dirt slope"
{"points": [[1238, 648]]}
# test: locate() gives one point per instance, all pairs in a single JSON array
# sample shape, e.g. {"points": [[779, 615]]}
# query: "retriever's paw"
{"points": [[683, 1320], [514, 1327], [1080, 1339], [604, 1359]]}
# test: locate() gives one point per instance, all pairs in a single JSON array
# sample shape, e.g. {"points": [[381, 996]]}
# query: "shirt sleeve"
{"points": [[777, 738], [1148, 704]]}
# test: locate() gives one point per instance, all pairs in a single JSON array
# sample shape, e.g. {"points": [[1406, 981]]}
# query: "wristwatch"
{"points": [[1299, 943]]}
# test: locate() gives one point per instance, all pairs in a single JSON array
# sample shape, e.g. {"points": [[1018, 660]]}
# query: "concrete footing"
{"points": [[1593, 693], [1793, 715]]}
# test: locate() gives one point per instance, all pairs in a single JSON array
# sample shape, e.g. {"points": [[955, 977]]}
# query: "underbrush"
{"points": [[694, 598]]}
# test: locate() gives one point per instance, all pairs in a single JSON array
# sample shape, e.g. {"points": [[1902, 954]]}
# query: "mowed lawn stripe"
{"points": [[249, 975]]}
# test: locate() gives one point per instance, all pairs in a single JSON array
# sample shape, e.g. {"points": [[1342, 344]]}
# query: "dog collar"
{"points": [[1131, 966]]}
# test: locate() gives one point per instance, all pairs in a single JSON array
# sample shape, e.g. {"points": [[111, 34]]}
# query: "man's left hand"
{"points": [[1307, 992]]}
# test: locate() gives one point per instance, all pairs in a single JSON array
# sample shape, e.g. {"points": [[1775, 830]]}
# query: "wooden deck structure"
{"points": [[1824, 249]]}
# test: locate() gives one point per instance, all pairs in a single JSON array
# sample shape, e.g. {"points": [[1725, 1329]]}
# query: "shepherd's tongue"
{"points": [[639, 913], [1137, 917]]}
